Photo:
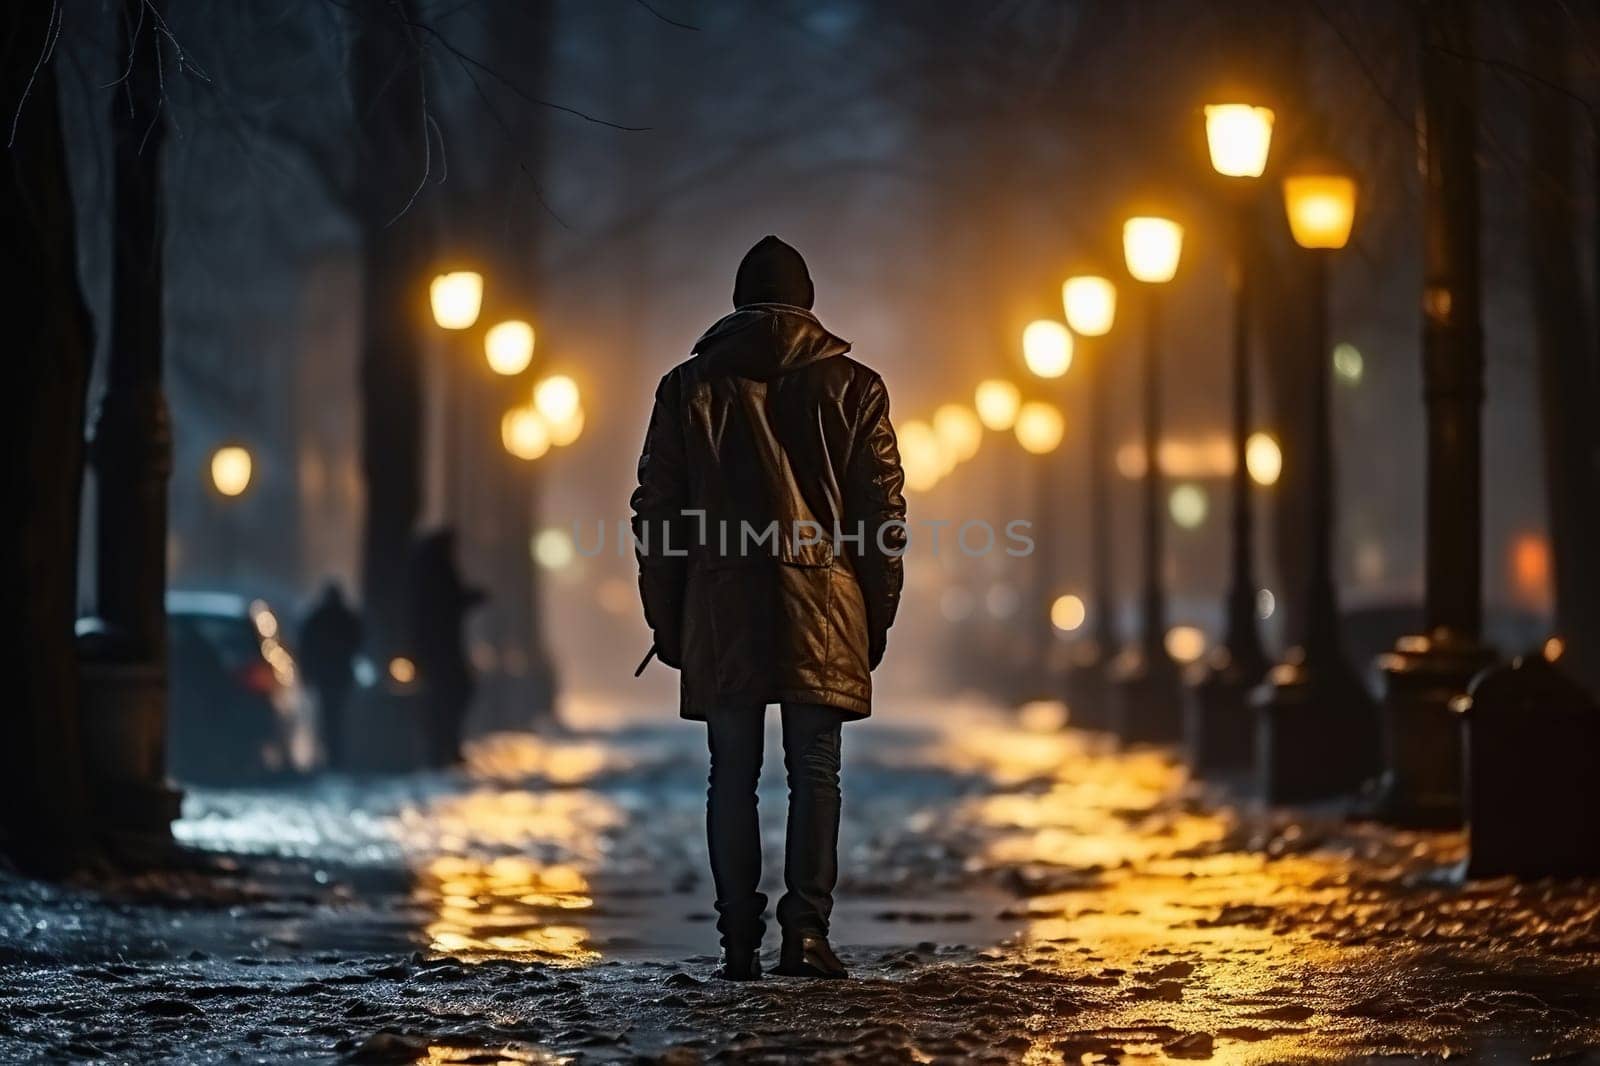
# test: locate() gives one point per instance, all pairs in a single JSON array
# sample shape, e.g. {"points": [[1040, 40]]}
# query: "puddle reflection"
{"points": [[509, 907], [509, 1055], [505, 871]]}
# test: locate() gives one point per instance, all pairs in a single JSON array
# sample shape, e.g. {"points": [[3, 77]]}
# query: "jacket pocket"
{"points": [[805, 599]]}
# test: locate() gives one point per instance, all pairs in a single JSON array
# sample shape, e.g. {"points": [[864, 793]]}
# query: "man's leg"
{"points": [[732, 829], [811, 737]]}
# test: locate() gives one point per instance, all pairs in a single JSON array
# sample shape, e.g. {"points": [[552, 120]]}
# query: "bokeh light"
{"points": [[1348, 364], [1047, 348], [509, 347], [1186, 644], [456, 299], [1152, 247], [231, 469], [1039, 427], [1263, 459], [1239, 137], [524, 433], [556, 398], [553, 549], [1090, 304], [1189, 505], [1067, 613], [997, 403]]}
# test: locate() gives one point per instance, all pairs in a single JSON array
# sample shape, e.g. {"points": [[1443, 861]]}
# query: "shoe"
{"points": [[740, 963], [809, 955]]}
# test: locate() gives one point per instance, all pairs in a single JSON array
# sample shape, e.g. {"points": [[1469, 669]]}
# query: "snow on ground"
{"points": [[1008, 895]]}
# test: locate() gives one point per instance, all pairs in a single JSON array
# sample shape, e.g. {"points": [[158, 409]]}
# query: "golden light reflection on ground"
{"points": [[504, 870], [1127, 880], [503, 909], [509, 1055]]}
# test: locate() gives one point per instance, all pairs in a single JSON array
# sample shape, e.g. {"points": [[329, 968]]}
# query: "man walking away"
{"points": [[770, 523], [330, 639]]}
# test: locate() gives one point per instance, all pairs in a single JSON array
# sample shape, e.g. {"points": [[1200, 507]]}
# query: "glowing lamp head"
{"points": [[1039, 428], [1320, 199], [509, 347], [569, 429], [1239, 137], [1047, 348], [1067, 613], [1090, 304], [231, 469], [556, 398], [997, 403], [457, 297], [1152, 247], [1263, 459], [524, 433]]}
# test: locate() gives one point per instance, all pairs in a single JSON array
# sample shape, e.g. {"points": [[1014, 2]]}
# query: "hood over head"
{"points": [[764, 340], [773, 273]]}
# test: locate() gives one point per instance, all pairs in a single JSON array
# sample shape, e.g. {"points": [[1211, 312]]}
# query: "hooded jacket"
{"points": [[769, 518]]}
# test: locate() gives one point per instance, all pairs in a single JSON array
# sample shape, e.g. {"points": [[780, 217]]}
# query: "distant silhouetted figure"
{"points": [[770, 521], [330, 640], [440, 601]]}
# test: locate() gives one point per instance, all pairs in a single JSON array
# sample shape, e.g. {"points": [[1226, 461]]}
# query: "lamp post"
{"points": [[1148, 704], [1218, 726], [1317, 725], [1426, 672], [456, 299], [124, 666], [1047, 350], [1090, 304]]}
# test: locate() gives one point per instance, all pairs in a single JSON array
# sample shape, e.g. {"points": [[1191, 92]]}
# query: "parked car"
{"points": [[238, 714]]}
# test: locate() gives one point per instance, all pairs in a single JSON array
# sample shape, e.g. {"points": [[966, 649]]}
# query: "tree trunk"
{"points": [[1561, 341], [43, 809], [386, 81]]}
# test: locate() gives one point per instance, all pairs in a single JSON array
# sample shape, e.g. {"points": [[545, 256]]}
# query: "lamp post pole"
{"points": [[1423, 675], [125, 673], [1318, 730], [1148, 704], [1218, 730], [1090, 304]]}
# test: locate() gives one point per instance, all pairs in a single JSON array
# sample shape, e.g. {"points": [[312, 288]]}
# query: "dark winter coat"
{"points": [[770, 422]]}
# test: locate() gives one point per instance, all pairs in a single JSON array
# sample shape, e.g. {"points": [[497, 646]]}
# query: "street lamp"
{"points": [[524, 433], [1047, 348], [1318, 725], [1040, 427], [1219, 727], [231, 469], [997, 402], [456, 298], [1148, 697], [559, 402], [508, 346], [1090, 304]]}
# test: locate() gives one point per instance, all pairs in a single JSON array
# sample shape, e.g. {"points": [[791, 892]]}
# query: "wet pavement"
{"points": [[1008, 895]]}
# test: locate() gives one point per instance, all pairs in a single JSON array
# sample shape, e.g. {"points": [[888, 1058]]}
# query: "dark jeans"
{"points": [[811, 851]]}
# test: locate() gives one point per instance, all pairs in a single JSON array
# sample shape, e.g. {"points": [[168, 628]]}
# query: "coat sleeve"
{"points": [[876, 500], [658, 518]]}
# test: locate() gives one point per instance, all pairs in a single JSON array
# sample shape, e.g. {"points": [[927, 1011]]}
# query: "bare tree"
{"points": [[43, 809]]}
